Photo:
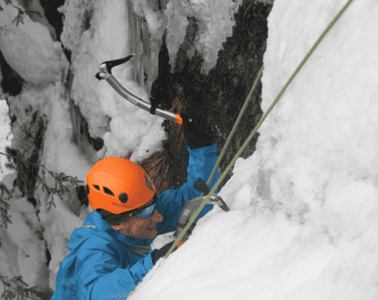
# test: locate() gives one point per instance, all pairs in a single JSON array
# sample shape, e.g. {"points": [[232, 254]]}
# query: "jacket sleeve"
{"points": [[102, 277], [170, 203]]}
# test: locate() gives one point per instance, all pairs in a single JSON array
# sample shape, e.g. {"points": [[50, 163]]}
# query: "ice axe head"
{"points": [[106, 66], [202, 187]]}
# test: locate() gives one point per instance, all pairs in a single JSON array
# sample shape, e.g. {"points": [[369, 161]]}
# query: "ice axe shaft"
{"points": [[105, 73]]}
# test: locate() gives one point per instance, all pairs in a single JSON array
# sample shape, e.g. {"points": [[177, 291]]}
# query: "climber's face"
{"points": [[138, 228]]}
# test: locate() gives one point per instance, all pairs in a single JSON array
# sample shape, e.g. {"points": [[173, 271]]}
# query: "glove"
{"points": [[188, 232], [197, 129], [161, 252]]}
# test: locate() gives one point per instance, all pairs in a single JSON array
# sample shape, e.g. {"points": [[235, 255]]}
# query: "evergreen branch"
{"points": [[20, 15], [60, 181], [4, 205], [16, 288], [19, 18]]}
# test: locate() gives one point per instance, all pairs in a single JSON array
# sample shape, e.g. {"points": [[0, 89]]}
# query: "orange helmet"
{"points": [[118, 185]]}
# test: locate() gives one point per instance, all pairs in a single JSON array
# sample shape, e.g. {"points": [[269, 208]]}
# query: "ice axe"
{"points": [[105, 72]]}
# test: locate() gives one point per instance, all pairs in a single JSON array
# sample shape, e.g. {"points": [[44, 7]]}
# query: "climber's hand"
{"points": [[161, 252], [197, 129]]}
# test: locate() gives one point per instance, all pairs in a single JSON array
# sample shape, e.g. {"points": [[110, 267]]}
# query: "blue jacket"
{"points": [[99, 266]]}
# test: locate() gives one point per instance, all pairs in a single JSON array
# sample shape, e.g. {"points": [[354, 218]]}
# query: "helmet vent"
{"points": [[108, 192], [96, 187], [123, 197]]}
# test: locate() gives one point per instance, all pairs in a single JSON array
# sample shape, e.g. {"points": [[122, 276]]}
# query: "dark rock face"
{"points": [[32, 200], [11, 82], [230, 81], [25, 159], [82, 195], [221, 93], [53, 16]]}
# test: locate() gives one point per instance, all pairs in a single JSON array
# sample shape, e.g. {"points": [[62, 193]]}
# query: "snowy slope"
{"points": [[304, 213]]}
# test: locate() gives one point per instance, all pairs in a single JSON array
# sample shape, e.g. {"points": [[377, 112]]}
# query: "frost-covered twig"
{"points": [[19, 18], [16, 288], [5, 195], [60, 179], [60, 188]]}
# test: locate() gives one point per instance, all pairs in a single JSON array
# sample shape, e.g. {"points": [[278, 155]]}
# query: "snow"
{"points": [[60, 154], [59, 223], [303, 220], [129, 129], [29, 40], [5, 137], [215, 20], [154, 18], [22, 245]]}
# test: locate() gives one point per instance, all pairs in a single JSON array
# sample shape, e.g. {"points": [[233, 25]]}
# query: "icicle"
{"points": [[135, 47]]}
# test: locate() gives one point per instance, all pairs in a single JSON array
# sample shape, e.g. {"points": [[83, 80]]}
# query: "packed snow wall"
{"points": [[303, 220]]}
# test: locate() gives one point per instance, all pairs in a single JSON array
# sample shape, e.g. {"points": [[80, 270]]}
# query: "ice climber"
{"points": [[111, 253]]}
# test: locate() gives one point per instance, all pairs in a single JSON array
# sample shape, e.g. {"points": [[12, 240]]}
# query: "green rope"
{"points": [[197, 212], [235, 126]]}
